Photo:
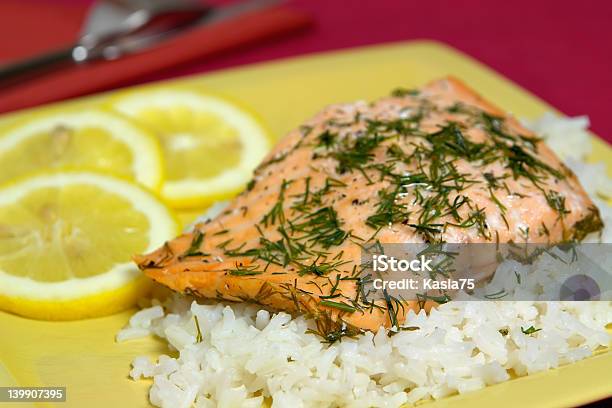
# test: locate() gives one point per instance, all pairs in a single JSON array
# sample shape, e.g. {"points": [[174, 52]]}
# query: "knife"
{"points": [[114, 28]]}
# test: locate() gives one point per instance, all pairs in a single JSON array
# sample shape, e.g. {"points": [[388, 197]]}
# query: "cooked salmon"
{"points": [[436, 164]]}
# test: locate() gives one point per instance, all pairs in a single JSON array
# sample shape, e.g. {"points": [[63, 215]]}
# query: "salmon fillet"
{"points": [[437, 164]]}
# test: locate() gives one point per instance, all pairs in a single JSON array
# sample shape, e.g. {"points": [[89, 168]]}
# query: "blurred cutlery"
{"points": [[114, 28]]}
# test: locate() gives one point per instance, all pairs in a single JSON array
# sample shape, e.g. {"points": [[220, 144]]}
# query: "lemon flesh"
{"points": [[69, 237], [93, 140], [210, 146]]}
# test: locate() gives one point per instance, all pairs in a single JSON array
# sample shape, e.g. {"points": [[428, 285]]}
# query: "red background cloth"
{"points": [[559, 50]]}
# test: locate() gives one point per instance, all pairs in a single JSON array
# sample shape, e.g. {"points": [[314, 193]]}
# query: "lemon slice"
{"points": [[66, 241], [210, 145], [95, 140]]}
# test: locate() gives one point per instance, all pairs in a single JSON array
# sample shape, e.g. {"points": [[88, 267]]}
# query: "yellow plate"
{"points": [[83, 356]]}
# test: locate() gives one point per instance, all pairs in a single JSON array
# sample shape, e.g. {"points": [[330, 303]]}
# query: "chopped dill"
{"points": [[543, 230], [557, 202], [305, 130], [322, 268], [530, 330], [423, 297], [244, 270], [388, 210], [277, 211], [393, 331], [250, 185], [310, 200], [497, 295], [194, 247], [449, 140], [352, 155], [199, 332], [331, 336], [327, 139], [338, 305], [400, 92], [523, 164], [394, 305], [492, 180], [321, 227]]}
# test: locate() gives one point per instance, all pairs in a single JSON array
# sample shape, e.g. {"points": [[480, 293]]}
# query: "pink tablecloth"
{"points": [[559, 50]]}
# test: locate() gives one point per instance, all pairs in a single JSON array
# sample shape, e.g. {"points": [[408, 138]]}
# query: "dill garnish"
{"points": [[399, 92], [321, 226], [449, 140], [338, 305], [199, 332], [492, 180], [530, 330], [244, 270], [326, 139], [497, 295], [194, 247], [543, 230], [393, 331], [352, 155], [332, 332], [280, 252], [388, 211], [394, 305], [305, 130], [250, 185], [518, 277], [557, 202], [307, 229], [423, 297], [277, 211], [320, 268], [310, 200], [523, 164]]}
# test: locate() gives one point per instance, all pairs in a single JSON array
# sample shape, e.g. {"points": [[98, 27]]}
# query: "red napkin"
{"points": [[59, 26]]}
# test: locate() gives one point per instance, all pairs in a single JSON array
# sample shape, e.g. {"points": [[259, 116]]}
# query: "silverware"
{"points": [[114, 28]]}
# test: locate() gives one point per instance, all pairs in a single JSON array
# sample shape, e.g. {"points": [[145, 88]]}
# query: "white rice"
{"points": [[247, 354]]}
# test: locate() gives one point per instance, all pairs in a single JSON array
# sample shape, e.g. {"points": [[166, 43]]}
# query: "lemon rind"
{"points": [[96, 305]]}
